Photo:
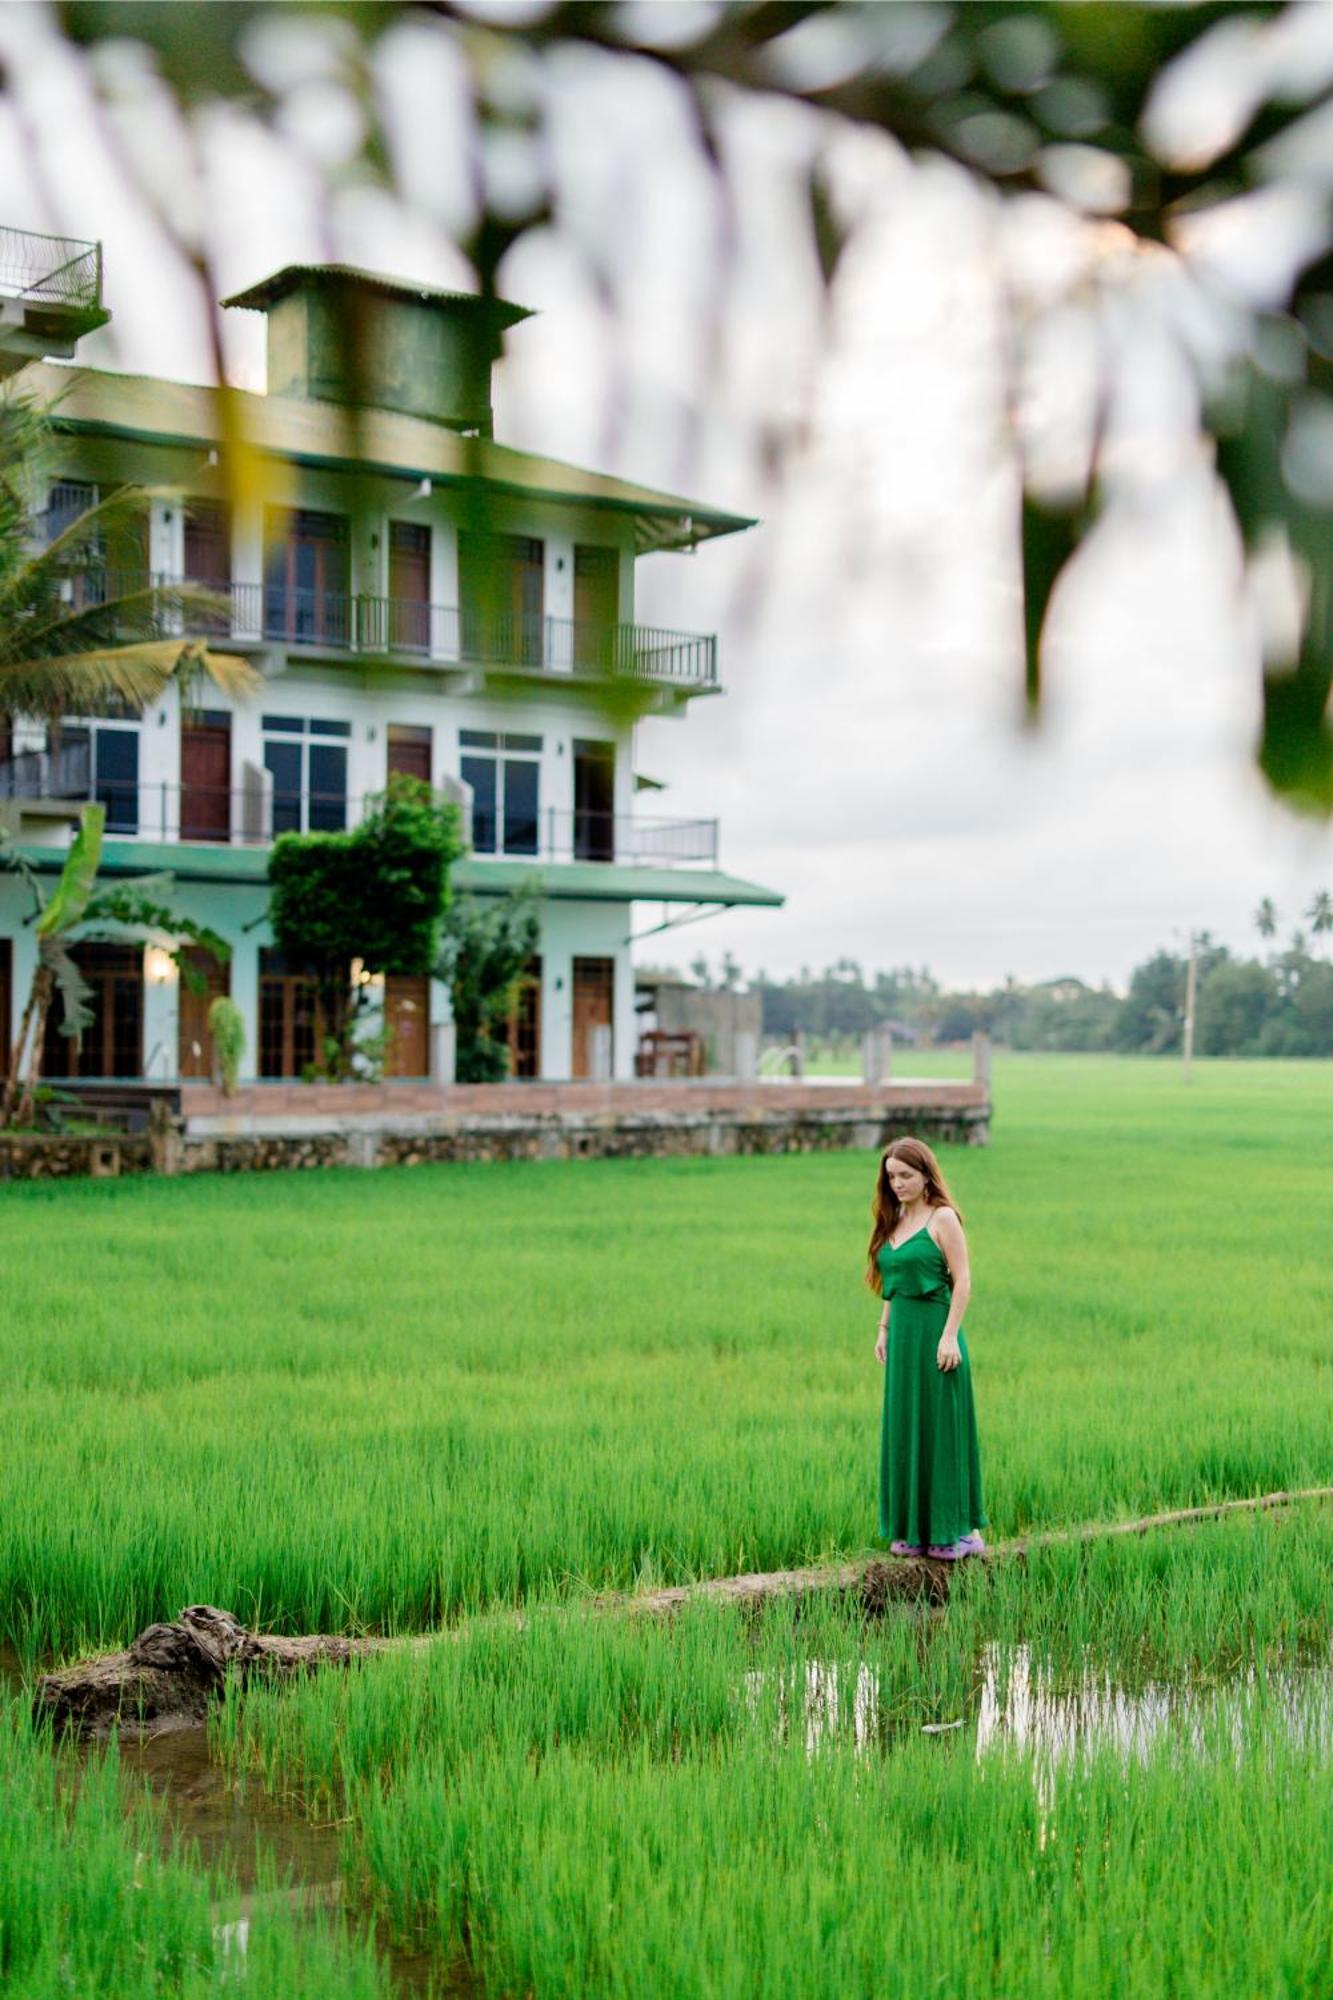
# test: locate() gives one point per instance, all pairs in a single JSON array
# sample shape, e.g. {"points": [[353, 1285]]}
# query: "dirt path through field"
{"points": [[169, 1674]]}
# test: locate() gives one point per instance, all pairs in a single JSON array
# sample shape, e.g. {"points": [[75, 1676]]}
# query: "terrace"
{"points": [[446, 638], [252, 814], [50, 296]]}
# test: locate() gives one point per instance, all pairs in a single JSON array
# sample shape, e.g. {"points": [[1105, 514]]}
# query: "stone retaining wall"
{"points": [[610, 1124], [26, 1156], [624, 1136]]}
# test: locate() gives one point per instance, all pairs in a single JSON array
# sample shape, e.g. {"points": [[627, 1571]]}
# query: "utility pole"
{"points": [[1190, 979]]}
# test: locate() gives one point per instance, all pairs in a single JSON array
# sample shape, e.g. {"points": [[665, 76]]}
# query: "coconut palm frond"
{"points": [[228, 673], [65, 683], [78, 682], [121, 614]]}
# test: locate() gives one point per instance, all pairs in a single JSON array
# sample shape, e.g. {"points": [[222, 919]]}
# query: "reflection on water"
{"points": [[281, 1862], [1016, 1705], [1020, 1707]]}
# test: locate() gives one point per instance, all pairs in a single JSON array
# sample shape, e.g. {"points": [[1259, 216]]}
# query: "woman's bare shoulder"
{"points": [[946, 1219]]}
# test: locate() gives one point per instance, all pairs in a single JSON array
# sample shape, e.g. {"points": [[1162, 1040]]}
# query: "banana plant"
{"points": [[138, 908]]}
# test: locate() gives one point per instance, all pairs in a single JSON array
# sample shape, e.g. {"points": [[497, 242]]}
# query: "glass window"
{"points": [[520, 809], [113, 770], [328, 787], [309, 778], [480, 773], [283, 760]]}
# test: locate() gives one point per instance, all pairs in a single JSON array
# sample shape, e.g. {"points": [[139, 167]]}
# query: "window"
{"points": [[308, 763], [305, 578], [113, 768], [503, 773], [66, 500]]}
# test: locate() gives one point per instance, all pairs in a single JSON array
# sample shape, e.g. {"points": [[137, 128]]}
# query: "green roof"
{"points": [[292, 277], [582, 881], [147, 409]]}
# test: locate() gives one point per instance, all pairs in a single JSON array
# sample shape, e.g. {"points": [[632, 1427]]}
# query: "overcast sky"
{"points": [[866, 757]]}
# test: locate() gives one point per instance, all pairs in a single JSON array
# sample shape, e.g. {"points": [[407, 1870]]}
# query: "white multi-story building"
{"points": [[416, 598]]}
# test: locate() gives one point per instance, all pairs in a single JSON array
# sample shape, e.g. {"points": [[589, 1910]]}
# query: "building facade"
{"points": [[416, 597]]}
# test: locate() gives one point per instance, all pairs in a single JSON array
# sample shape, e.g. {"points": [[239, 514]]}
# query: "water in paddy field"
{"points": [[1017, 1707], [256, 1839]]}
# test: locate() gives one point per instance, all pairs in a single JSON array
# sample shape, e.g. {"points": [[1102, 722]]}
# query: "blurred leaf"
{"points": [[69, 898]]}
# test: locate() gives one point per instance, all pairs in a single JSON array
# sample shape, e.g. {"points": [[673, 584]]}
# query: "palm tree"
{"points": [[1265, 918], [1320, 913], [59, 655]]}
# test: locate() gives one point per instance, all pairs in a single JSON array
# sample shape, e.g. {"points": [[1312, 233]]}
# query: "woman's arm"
{"points": [[949, 1232], [882, 1337]]}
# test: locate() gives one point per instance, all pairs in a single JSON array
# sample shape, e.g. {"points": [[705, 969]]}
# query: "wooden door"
{"points": [[596, 605], [409, 750], [112, 1044], [525, 1023], [502, 586], [206, 776], [194, 1044], [594, 989], [409, 586], [407, 1017], [291, 1018], [208, 558]]}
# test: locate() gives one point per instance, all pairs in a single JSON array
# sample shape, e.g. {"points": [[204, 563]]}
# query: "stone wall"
{"points": [[611, 1123], [46, 1156]]}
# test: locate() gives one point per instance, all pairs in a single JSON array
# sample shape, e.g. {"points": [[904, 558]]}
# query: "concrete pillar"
{"points": [[747, 1053], [877, 1055], [161, 1016], [981, 1055], [599, 1053], [798, 1060], [444, 1052]]}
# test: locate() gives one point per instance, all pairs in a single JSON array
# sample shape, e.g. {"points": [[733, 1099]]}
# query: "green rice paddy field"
{"points": [[399, 1400]]}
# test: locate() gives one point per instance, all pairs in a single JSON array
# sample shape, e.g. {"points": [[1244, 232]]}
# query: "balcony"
{"points": [[253, 814], [50, 295], [437, 635]]}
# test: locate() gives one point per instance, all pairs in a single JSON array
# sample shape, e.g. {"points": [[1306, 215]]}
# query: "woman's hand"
{"points": [[882, 1344], [948, 1354]]}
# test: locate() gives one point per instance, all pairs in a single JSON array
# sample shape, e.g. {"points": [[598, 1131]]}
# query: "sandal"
{"points": [[907, 1548], [966, 1545]]}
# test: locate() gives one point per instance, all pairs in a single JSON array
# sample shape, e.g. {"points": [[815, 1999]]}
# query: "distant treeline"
{"points": [[1278, 1006]]}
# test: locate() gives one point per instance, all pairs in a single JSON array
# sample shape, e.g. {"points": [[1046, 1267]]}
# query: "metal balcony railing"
{"points": [[401, 628], [252, 815], [48, 774], [59, 270]]}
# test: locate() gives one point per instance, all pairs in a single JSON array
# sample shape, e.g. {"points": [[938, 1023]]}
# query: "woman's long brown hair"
{"points": [[886, 1208]]}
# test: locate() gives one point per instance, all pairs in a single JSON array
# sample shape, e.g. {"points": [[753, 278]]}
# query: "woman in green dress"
{"points": [[930, 1465]]}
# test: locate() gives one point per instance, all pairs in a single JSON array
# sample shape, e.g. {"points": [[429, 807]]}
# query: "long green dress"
{"points": [[929, 1464]]}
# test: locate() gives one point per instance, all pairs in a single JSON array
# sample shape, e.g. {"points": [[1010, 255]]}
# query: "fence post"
{"points": [[981, 1052], [798, 1058]]}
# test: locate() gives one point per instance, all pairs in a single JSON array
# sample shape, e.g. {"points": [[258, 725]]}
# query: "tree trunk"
{"points": [[25, 1069]]}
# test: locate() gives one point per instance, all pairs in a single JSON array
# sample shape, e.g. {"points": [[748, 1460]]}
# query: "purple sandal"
{"points": [[907, 1548], [966, 1545]]}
